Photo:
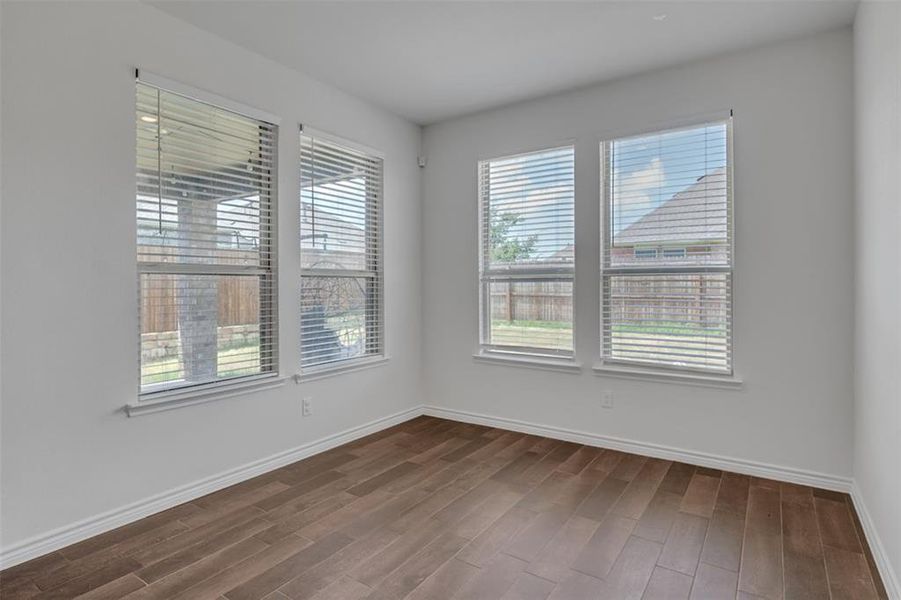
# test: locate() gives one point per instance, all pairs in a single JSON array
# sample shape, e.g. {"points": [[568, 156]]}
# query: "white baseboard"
{"points": [[81, 530], [714, 461], [889, 577]]}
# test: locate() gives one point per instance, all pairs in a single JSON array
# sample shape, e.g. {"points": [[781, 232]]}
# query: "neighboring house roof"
{"points": [[567, 253], [681, 218]]}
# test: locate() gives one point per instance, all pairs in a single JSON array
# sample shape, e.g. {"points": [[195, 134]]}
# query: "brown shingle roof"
{"points": [[696, 214]]}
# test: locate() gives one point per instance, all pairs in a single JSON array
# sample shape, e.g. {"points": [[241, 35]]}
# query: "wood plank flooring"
{"points": [[435, 509]]}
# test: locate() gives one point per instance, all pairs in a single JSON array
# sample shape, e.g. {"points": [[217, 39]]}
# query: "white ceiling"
{"points": [[428, 61]]}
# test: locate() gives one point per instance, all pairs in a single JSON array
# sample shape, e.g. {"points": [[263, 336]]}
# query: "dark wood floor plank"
{"points": [[288, 569], [494, 579], [416, 570], [637, 495], [439, 509], [599, 502], [576, 586], [579, 459], [151, 554], [713, 582], [600, 553], [381, 564], [214, 587], [849, 575], [115, 589], [528, 543], [556, 559], [303, 517], [668, 585], [84, 584], [677, 478], [482, 549], [836, 526], [632, 571], [383, 479], [733, 494], [316, 579], [722, 548], [700, 497], [628, 467], [529, 587], [658, 517], [445, 581], [682, 549], [192, 554], [198, 571], [260, 495], [344, 588], [803, 568], [761, 564]]}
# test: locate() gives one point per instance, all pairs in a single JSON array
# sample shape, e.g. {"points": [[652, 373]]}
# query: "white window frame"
{"points": [[156, 398], [377, 275], [543, 358], [663, 372]]}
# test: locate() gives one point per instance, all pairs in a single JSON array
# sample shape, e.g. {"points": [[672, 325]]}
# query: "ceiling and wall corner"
{"points": [[431, 61]]}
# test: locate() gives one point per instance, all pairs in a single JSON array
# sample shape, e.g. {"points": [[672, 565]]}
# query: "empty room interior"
{"points": [[450, 300]]}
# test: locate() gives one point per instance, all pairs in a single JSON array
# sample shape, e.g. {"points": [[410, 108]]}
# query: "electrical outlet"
{"points": [[307, 406], [607, 399]]}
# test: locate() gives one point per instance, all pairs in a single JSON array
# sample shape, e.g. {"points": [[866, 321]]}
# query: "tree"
{"points": [[504, 246]]}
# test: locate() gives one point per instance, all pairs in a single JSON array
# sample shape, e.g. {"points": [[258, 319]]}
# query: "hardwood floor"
{"points": [[434, 509]]}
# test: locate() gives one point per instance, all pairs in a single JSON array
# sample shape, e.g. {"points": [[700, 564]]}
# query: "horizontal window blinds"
{"points": [[667, 251], [205, 217], [527, 251], [340, 253]]}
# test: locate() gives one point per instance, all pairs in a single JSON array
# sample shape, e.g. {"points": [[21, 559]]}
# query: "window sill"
{"points": [[340, 369], [160, 401], [562, 365], [727, 382]]}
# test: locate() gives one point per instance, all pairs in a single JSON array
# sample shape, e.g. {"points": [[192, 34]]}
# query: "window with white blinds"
{"points": [[667, 249], [527, 251], [205, 221], [341, 312]]}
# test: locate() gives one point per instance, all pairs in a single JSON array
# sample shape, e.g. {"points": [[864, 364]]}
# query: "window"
{"points": [[527, 252], [205, 216], [670, 190], [341, 315]]}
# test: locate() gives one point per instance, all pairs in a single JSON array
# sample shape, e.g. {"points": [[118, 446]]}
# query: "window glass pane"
{"points": [[340, 231], [670, 190], [339, 199], [339, 318], [681, 320], [527, 204], [205, 182], [204, 176], [531, 314], [200, 328]]}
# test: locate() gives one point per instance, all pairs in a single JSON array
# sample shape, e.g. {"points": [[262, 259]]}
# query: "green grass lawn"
{"points": [[233, 362], [557, 335]]}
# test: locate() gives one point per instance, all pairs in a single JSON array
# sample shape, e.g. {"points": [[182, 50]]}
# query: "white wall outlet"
{"points": [[307, 406], [607, 399]]}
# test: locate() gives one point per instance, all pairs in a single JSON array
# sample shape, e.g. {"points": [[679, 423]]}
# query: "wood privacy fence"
{"points": [[532, 301], [690, 300], [239, 300]]}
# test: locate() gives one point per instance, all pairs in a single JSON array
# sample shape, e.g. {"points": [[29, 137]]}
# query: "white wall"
{"points": [[70, 328], [877, 377], [793, 273]]}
